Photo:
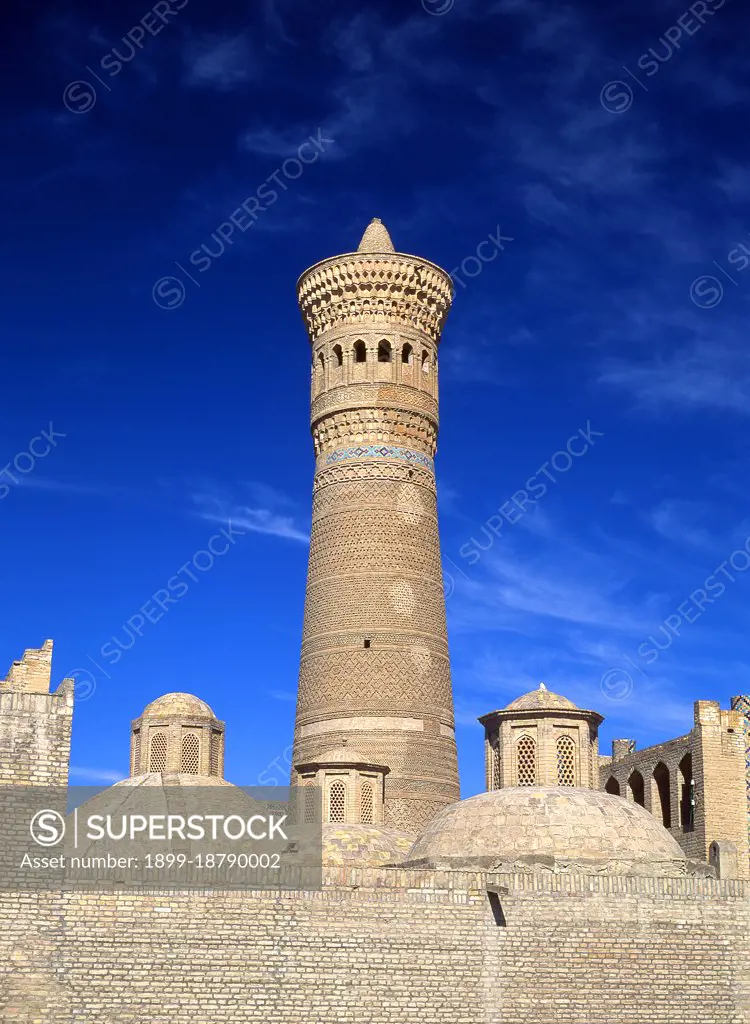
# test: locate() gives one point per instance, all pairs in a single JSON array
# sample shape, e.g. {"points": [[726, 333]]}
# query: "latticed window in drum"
{"points": [[157, 761], [366, 804], [566, 761], [214, 754], [135, 764], [526, 761], [337, 802], [191, 754], [311, 803], [496, 768]]}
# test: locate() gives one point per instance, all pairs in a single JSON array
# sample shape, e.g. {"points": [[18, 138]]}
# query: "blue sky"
{"points": [[609, 145]]}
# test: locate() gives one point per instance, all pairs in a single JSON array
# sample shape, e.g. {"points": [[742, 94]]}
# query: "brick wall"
{"points": [[384, 947], [720, 773], [35, 731]]}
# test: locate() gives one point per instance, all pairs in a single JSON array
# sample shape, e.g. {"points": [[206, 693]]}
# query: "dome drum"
{"points": [[177, 733], [542, 739], [350, 788]]}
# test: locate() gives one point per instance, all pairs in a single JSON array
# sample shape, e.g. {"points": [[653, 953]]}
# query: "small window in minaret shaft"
{"points": [[367, 644], [360, 352]]}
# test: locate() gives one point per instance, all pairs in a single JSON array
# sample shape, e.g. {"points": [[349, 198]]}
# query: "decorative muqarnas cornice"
{"points": [[358, 288]]}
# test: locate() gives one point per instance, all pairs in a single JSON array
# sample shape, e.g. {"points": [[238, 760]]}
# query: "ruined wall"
{"points": [[385, 947], [35, 725]]}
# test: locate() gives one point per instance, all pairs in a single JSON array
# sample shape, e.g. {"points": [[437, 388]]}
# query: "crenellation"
{"points": [[32, 673]]}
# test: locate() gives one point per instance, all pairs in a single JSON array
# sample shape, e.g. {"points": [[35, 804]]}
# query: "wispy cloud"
{"points": [[221, 62], [40, 483], [96, 774], [287, 696], [514, 589], [702, 374], [258, 517], [675, 520]]}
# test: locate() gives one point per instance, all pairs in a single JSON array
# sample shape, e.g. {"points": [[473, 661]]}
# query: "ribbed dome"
{"points": [[178, 704], [539, 700], [529, 828], [365, 846]]}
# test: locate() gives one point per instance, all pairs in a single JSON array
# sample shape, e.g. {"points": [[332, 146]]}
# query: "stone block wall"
{"points": [[385, 946]]}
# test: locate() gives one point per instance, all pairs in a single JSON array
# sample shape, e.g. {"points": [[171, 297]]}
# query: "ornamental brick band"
{"points": [[372, 451]]}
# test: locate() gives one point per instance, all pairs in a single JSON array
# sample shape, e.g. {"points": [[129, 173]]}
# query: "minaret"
{"points": [[374, 670]]}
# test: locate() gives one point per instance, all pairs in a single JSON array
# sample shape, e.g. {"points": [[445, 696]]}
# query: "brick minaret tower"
{"points": [[374, 670]]}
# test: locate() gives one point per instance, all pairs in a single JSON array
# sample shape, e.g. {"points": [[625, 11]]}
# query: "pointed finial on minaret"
{"points": [[542, 686], [376, 238]]}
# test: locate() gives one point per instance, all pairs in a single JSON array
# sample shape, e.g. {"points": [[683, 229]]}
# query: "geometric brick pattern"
{"points": [[371, 471], [375, 289], [369, 540], [389, 495], [372, 394], [385, 681], [370, 429]]}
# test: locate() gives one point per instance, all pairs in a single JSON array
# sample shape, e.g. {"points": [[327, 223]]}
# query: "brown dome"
{"points": [[540, 700], [559, 829], [172, 704]]}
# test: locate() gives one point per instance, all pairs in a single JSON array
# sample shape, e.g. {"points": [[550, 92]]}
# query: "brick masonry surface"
{"points": [[385, 946], [35, 733]]}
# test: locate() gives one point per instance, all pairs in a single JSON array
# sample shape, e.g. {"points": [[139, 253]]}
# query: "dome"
{"points": [[186, 779], [164, 794], [558, 829], [540, 700], [342, 755], [178, 704], [345, 756], [364, 846]]}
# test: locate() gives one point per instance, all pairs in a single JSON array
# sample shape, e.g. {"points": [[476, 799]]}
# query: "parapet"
{"points": [[32, 674], [724, 859]]}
